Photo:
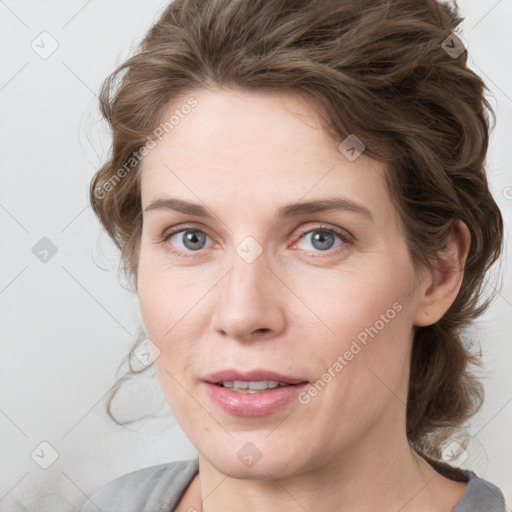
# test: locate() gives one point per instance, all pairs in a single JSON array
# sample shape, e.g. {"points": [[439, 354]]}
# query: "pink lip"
{"points": [[252, 375], [252, 404]]}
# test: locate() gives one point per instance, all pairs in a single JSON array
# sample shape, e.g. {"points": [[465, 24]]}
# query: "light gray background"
{"points": [[67, 323]]}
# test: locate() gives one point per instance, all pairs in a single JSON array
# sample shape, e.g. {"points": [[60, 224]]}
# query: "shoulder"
{"points": [[148, 489], [480, 495]]}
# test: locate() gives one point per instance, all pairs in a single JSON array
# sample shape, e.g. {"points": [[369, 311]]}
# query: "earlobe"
{"points": [[439, 289]]}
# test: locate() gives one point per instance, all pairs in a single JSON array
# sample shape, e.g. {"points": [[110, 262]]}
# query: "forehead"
{"points": [[259, 150]]}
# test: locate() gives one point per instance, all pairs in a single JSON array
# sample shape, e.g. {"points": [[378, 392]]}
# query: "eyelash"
{"points": [[323, 229]]}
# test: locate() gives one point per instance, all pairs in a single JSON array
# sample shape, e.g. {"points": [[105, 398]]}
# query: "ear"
{"points": [[440, 287]]}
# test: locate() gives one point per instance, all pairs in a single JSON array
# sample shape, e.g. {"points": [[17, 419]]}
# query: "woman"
{"points": [[299, 194]]}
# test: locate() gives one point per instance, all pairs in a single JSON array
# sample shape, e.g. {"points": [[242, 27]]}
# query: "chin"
{"points": [[255, 457]]}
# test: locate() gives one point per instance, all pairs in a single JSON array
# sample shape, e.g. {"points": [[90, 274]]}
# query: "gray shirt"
{"points": [[159, 489]]}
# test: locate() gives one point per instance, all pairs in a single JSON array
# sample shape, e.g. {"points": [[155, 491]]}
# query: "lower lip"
{"points": [[253, 404]]}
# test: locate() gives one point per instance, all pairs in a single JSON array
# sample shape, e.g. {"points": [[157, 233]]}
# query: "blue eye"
{"points": [[323, 239], [185, 241], [191, 239]]}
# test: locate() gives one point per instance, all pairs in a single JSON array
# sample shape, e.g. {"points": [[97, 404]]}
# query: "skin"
{"points": [[293, 310]]}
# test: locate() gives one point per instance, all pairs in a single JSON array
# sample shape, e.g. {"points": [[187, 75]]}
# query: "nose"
{"points": [[249, 301]]}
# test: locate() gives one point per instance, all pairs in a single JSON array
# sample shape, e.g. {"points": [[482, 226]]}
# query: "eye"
{"points": [[186, 239], [323, 239]]}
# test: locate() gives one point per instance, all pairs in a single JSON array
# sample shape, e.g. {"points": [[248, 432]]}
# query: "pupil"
{"points": [[321, 238], [193, 240]]}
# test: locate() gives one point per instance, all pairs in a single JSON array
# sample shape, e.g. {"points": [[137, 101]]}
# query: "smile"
{"points": [[255, 386]]}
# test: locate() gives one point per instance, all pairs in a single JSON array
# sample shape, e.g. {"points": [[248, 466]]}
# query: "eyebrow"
{"points": [[286, 211]]}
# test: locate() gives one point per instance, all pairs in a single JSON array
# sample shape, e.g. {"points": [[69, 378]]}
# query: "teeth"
{"points": [[262, 384], [243, 386]]}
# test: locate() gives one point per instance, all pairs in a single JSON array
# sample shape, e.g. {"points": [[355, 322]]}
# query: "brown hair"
{"points": [[382, 71]]}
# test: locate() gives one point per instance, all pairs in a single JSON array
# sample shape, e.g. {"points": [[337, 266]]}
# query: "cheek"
{"points": [[369, 324], [152, 308], [375, 345], [160, 292], [161, 305], [172, 311], [346, 304], [165, 312]]}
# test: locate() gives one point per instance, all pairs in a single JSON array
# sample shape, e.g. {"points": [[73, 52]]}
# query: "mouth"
{"points": [[255, 386], [254, 393], [254, 380]]}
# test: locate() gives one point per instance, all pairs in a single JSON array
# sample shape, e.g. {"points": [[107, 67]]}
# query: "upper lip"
{"points": [[250, 376]]}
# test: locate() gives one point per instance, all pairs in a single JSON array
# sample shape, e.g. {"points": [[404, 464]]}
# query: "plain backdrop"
{"points": [[66, 321]]}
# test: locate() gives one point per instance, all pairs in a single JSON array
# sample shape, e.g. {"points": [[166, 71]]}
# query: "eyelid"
{"points": [[182, 227], [342, 233]]}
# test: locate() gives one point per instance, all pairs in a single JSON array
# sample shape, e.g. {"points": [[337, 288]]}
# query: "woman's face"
{"points": [[259, 285]]}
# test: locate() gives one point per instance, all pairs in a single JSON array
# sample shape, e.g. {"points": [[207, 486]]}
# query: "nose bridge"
{"points": [[246, 301], [249, 273], [246, 282]]}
